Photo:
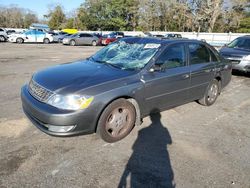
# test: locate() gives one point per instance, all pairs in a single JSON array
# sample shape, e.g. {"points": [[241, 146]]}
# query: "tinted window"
{"points": [[39, 32], [85, 35], [172, 57], [1, 29], [240, 43], [198, 54], [213, 56]]}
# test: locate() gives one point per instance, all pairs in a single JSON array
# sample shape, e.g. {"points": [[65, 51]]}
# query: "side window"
{"points": [[39, 32], [198, 53], [246, 44], [172, 57], [213, 56], [1, 30]]}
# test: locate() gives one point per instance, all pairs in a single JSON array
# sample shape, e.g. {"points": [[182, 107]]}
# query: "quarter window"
{"points": [[172, 57], [198, 54]]}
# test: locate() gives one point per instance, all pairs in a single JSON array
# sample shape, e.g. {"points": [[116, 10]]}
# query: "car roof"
{"points": [[146, 40], [245, 36]]}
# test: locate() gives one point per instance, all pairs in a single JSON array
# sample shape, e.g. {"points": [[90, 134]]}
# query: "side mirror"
{"points": [[156, 68]]}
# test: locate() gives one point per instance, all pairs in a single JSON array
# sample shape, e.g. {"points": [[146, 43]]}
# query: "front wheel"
{"points": [[116, 121], [72, 43], [46, 41], [211, 93]]}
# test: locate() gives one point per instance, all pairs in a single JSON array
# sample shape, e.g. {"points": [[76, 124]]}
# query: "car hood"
{"points": [[76, 76], [234, 52]]}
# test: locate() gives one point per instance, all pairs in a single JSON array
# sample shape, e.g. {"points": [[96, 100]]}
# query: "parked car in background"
{"points": [[58, 37], [81, 39], [238, 53], [172, 36], [158, 36], [62, 36], [11, 31], [111, 91], [31, 36], [111, 37], [3, 35]]}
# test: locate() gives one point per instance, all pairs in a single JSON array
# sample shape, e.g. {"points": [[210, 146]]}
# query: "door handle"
{"points": [[185, 76]]}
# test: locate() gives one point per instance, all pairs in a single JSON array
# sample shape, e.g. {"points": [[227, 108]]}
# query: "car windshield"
{"points": [[240, 43], [126, 55]]}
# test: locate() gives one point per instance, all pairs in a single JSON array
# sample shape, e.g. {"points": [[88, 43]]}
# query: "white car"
{"points": [[31, 36]]}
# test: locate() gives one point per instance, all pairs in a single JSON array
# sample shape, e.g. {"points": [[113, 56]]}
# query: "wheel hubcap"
{"points": [[118, 121], [212, 93]]}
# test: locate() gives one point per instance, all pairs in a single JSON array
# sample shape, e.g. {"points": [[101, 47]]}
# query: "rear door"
{"points": [[30, 36], [88, 38], [202, 69], [170, 86]]}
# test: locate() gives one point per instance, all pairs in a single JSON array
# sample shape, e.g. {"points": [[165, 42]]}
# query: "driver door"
{"points": [[168, 84]]}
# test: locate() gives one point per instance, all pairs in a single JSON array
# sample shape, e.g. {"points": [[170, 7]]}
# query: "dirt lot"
{"points": [[191, 145]]}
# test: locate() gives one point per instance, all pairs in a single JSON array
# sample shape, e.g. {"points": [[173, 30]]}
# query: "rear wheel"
{"points": [[72, 43], [116, 121], [211, 94], [19, 40], [46, 41], [94, 43]]}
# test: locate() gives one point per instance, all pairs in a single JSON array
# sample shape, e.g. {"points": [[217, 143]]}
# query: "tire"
{"points": [[19, 40], [94, 43], [46, 41], [211, 93], [72, 43], [2, 38], [116, 121]]}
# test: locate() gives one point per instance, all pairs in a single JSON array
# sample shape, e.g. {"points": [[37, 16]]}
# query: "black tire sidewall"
{"points": [[101, 129], [46, 41], [206, 96], [3, 39], [19, 40], [94, 43]]}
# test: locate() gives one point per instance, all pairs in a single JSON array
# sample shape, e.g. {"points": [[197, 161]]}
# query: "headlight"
{"points": [[70, 102], [246, 58]]}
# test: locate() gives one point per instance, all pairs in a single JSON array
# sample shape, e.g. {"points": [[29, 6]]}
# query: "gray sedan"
{"points": [[81, 39]]}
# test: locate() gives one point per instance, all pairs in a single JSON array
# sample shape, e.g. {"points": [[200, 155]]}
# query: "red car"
{"points": [[106, 39]]}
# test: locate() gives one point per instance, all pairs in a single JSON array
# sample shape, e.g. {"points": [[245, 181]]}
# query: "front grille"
{"points": [[40, 93]]}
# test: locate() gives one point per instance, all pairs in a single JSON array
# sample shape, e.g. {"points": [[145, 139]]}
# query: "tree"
{"points": [[56, 18]]}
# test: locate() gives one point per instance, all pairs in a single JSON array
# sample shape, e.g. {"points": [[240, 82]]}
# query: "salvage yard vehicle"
{"points": [[111, 37], [31, 36], [238, 53], [81, 39], [3, 35], [110, 92]]}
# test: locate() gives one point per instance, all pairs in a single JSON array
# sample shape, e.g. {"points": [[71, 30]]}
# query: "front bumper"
{"points": [[65, 41], [43, 115], [239, 64]]}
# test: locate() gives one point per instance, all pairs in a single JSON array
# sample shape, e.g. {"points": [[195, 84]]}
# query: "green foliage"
{"points": [[56, 18], [244, 25]]}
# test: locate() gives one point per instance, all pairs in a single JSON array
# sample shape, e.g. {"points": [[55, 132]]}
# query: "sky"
{"points": [[40, 7]]}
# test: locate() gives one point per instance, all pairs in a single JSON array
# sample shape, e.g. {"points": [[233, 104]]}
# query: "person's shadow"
{"points": [[149, 165]]}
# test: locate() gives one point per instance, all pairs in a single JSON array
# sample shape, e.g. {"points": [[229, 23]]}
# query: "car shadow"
{"points": [[149, 164], [240, 73]]}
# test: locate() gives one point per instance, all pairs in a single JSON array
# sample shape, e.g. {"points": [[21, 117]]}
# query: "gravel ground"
{"points": [[190, 146]]}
